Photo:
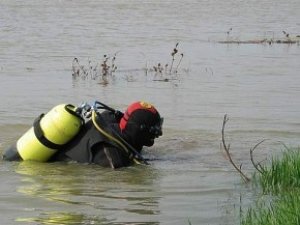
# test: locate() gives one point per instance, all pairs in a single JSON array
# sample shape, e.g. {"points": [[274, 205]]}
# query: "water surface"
{"points": [[189, 178]]}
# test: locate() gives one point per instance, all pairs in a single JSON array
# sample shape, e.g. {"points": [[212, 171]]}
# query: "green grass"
{"points": [[284, 210], [283, 174], [280, 182]]}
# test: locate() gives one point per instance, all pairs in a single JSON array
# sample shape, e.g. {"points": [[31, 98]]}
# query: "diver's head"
{"points": [[141, 124]]}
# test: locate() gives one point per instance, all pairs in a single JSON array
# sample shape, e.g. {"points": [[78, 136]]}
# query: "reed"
{"points": [[175, 50], [92, 71], [165, 70]]}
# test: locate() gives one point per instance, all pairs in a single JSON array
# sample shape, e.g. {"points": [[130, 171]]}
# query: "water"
{"points": [[189, 178]]}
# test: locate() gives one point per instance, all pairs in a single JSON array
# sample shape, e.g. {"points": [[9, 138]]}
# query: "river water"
{"points": [[189, 179]]}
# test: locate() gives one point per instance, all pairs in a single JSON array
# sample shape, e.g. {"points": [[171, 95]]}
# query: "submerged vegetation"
{"points": [[107, 68], [285, 38], [165, 69], [279, 183], [100, 70]]}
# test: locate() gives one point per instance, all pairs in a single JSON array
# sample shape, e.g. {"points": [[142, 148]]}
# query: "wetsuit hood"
{"points": [[141, 124]]}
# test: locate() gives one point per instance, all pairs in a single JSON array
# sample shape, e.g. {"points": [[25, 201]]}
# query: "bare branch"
{"points": [[284, 145], [227, 147], [257, 166]]}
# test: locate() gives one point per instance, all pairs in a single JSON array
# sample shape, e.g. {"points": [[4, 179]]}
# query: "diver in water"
{"points": [[110, 138]]}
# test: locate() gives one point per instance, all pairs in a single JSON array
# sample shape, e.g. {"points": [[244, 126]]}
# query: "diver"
{"points": [[109, 138]]}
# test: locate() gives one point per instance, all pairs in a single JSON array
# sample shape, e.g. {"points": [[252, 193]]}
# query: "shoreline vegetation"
{"points": [[286, 39], [263, 41], [279, 203], [107, 67], [277, 181]]}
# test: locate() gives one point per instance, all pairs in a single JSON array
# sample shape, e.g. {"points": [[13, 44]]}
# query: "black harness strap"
{"points": [[40, 134], [131, 152]]}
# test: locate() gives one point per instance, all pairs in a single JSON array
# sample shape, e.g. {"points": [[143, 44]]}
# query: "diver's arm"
{"points": [[109, 156]]}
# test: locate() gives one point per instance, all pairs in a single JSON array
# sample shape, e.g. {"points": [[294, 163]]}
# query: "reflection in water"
{"points": [[101, 195], [64, 218], [75, 218]]}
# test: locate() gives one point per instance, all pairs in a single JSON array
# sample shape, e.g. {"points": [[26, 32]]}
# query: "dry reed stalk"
{"points": [[227, 148]]}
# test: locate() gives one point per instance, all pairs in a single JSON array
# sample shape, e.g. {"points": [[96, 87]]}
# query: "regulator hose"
{"points": [[133, 154]]}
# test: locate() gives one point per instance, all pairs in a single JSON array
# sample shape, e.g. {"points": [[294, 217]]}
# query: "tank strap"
{"points": [[40, 134], [72, 110], [108, 132]]}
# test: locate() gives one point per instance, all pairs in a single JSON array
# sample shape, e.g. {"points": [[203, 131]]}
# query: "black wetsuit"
{"points": [[91, 146]]}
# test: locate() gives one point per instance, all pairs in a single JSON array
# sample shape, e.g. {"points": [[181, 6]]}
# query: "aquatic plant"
{"points": [[90, 71], [175, 50], [107, 68], [165, 70], [286, 39]]}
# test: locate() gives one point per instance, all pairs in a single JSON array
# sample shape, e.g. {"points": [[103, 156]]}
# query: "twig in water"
{"points": [[284, 145], [179, 63], [113, 66], [228, 32], [286, 34], [257, 166], [166, 67], [75, 67], [173, 56], [227, 147], [105, 67], [158, 68]]}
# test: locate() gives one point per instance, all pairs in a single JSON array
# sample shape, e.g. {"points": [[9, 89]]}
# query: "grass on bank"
{"points": [[281, 181], [283, 173], [282, 210]]}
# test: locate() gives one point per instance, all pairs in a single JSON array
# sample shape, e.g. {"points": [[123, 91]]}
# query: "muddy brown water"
{"points": [[189, 178]]}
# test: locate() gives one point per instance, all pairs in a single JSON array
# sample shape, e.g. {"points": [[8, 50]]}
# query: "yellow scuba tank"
{"points": [[49, 133]]}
